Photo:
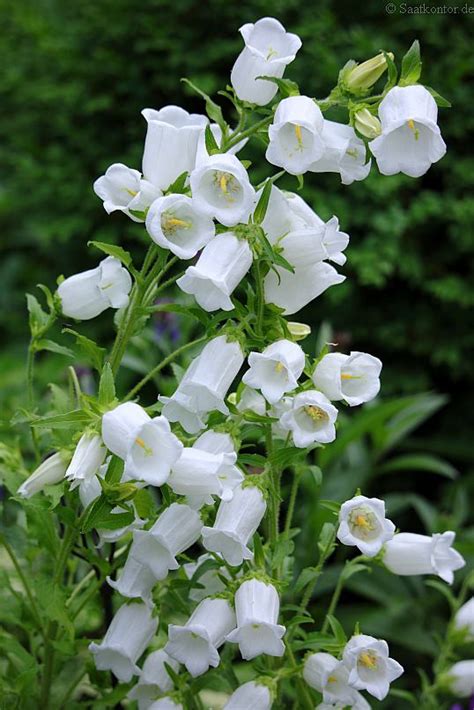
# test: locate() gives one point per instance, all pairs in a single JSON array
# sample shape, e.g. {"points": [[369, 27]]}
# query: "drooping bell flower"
{"points": [[275, 370], [354, 378], [344, 153], [153, 679], [410, 554], [88, 456], [174, 223], [370, 667], [51, 471], [293, 291], [123, 189], [311, 419]]}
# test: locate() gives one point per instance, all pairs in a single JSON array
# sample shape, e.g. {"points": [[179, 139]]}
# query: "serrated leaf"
{"points": [[115, 521], [63, 421], [38, 318], [106, 385], [113, 250], [411, 65], [89, 349], [283, 457]]}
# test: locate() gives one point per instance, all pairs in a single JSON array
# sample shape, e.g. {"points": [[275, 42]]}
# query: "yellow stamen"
{"points": [[271, 53], [347, 376], [299, 136], [316, 413], [175, 222], [223, 182], [362, 522], [411, 126], [332, 679], [353, 152], [369, 660], [279, 367], [133, 193], [147, 449]]}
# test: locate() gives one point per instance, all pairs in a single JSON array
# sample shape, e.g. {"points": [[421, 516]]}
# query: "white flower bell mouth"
{"points": [[362, 523], [354, 378], [174, 223], [369, 664]]}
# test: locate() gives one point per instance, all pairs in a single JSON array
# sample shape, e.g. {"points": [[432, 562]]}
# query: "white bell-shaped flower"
{"points": [[257, 606], [174, 223], [236, 522], [362, 523], [220, 268], [411, 140], [410, 554], [251, 401], [88, 457], [354, 378], [269, 48], [85, 295], [51, 471], [293, 291], [128, 635], [176, 529], [330, 677], [165, 703], [461, 678], [277, 411], [209, 581], [221, 189], [296, 135], [252, 695], [123, 189], [135, 581], [311, 419], [275, 370], [358, 703], [464, 619], [153, 679], [147, 445], [344, 153], [370, 667], [171, 143], [195, 644]]}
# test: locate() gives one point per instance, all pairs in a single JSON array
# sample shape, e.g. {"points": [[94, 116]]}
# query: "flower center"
{"points": [[368, 659], [133, 193], [299, 135], [279, 367], [413, 129], [316, 413], [347, 376], [353, 152], [362, 522], [271, 53], [148, 451], [170, 224], [332, 679], [227, 184]]}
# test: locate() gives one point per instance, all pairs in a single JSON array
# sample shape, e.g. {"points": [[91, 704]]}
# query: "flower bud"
{"points": [[464, 619], [367, 124], [364, 75], [51, 471], [459, 679], [299, 331]]}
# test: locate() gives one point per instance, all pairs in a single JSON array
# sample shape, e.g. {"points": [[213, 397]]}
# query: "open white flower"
{"points": [[330, 677], [411, 140], [195, 644], [135, 581], [257, 606], [464, 619], [147, 445], [218, 271], [252, 695], [221, 189], [275, 370], [123, 189], [311, 419], [176, 529], [128, 635], [370, 667], [88, 456], [293, 291], [174, 223], [171, 143], [344, 153], [461, 678], [209, 580], [51, 471], [236, 522], [87, 294], [296, 135], [154, 679], [410, 554], [362, 523], [269, 48], [355, 378]]}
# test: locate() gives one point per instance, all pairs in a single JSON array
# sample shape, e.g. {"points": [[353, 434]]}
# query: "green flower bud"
{"points": [[364, 75], [367, 124], [299, 331]]}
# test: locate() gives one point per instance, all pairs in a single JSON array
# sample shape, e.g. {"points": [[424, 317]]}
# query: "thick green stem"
{"points": [[237, 137]]}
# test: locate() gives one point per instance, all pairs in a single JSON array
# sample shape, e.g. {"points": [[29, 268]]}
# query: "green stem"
{"points": [[291, 503], [161, 365], [260, 297], [334, 602], [24, 582], [246, 134], [71, 688], [303, 691]]}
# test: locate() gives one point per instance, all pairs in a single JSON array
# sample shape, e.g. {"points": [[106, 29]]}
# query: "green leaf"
{"points": [[97, 510], [440, 100], [411, 65], [144, 504], [261, 208], [286, 87], [392, 73], [114, 470], [106, 385], [285, 456], [213, 110], [115, 521], [89, 349], [178, 187], [45, 344], [252, 460], [38, 318], [350, 569], [338, 631], [306, 576], [259, 555], [63, 421], [211, 143], [113, 250], [420, 462]]}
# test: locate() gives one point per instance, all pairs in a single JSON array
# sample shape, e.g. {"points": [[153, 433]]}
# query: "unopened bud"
{"points": [[299, 331], [364, 75], [367, 124]]}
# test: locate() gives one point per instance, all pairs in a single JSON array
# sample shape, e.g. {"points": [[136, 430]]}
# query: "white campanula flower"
{"points": [[176, 529], [410, 554], [344, 153], [257, 606], [221, 189], [275, 370], [460, 678], [147, 445], [165, 703], [128, 635], [251, 401], [88, 456], [411, 140], [206, 469], [277, 411], [354, 378], [269, 48], [51, 471], [311, 419], [362, 523], [293, 291], [330, 677], [295, 135], [174, 223], [87, 294], [123, 189], [464, 619], [153, 679], [370, 667], [135, 581], [171, 143], [252, 695], [195, 644], [209, 580], [220, 268], [358, 702], [236, 522]]}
